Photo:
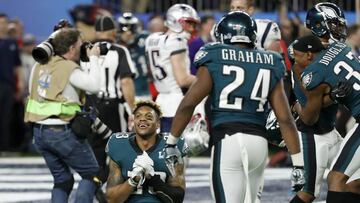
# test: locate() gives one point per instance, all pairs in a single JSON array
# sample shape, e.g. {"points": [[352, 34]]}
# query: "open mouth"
{"points": [[143, 125]]}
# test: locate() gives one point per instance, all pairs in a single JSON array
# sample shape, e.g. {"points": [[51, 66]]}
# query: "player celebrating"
{"points": [[169, 61], [140, 174], [321, 141], [334, 69], [241, 80]]}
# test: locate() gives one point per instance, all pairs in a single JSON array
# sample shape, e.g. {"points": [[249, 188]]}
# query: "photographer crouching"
{"points": [[56, 89]]}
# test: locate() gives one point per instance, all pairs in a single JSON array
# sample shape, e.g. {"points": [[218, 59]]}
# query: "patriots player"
{"points": [[138, 172], [169, 62], [327, 74], [240, 81], [131, 36]]}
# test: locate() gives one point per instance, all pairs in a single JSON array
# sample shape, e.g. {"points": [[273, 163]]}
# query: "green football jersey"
{"points": [[336, 63], [137, 52], [123, 150], [242, 81]]}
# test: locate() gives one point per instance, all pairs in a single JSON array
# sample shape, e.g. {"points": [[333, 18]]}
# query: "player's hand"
{"points": [[145, 162], [342, 89], [136, 176], [297, 178], [172, 156]]}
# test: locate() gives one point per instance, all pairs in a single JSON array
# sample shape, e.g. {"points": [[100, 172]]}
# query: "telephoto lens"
{"points": [[43, 52]]}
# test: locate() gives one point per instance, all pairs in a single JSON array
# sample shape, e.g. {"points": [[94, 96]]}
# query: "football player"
{"points": [[241, 80], [326, 76], [169, 59], [132, 37], [320, 141], [138, 172]]}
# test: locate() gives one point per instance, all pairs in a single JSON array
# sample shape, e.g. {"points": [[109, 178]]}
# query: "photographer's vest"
{"points": [[46, 99]]}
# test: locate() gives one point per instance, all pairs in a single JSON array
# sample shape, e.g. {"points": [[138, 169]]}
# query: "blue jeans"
{"points": [[61, 150]]}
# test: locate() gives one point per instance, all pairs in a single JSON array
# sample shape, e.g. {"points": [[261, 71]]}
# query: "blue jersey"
{"points": [[336, 63], [242, 82], [327, 115], [137, 52], [123, 150]]}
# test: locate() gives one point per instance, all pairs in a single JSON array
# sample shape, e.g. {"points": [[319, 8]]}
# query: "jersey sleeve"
{"points": [[279, 70], [176, 45], [312, 76], [115, 144], [202, 57]]}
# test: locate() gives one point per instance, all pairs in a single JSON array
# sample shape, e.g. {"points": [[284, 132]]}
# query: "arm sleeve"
{"points": [[88, 81], [165, 192], [126, 67]]}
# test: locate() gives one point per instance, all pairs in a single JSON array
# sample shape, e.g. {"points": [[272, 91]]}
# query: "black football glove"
{"points": [[342, 89]]}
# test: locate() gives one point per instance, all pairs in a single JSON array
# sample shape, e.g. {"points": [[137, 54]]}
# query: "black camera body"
{"points": [[88, 45]]}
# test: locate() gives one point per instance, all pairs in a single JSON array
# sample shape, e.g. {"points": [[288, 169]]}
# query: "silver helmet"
{"points": [[196, 135], [178, 14]]}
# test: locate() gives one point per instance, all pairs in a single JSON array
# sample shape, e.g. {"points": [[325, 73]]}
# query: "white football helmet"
{"points": [[196, 135], [178, 14]]}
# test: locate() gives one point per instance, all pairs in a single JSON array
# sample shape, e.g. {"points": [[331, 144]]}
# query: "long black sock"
{"points": [[296, 199], [336, 197], [352, 197]]}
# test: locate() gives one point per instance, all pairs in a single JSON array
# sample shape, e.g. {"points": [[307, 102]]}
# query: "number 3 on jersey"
{"points": [[261, 86]]}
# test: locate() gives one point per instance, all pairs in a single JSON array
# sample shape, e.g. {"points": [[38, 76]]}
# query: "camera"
{"points": [[88, 45], [45, 50]]}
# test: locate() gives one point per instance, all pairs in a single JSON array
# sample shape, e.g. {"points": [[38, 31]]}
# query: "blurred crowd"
{"points": [[16, 63]]}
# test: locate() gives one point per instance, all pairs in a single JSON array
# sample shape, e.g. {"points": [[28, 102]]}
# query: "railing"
{"points": [[160, 6]]}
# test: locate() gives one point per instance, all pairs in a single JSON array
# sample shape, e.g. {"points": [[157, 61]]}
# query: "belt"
{"points": [[53, 127]]}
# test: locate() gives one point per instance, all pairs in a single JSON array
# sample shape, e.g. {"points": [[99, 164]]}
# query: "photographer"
{"points": [[116, 87], [56, 93]]}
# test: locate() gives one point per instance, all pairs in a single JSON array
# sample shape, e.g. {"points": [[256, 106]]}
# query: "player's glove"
{"points": [[297, 178], [342, 89], [134, 175], [145, 162], [172, 156]]}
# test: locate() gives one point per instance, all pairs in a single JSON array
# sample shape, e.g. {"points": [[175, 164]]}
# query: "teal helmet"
{"points": [[327, 20], [236, 27]]}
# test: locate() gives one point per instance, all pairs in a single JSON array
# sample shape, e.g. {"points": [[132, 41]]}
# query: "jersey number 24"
{"points": [[259, 92]]}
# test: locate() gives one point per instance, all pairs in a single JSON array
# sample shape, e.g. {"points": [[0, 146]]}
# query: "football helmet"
{"points": [[178, 14], [235, 27], [196, 135], [327, 19], [128, 22]]}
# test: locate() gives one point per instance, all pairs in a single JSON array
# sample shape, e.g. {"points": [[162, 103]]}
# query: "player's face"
{"points": [[146, 122], [302, 59], [189, 26], [241, 5]]}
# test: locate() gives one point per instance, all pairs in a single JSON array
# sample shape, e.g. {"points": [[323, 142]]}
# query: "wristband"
{"points": [[297, 159], [132, 182], [172, 140]]}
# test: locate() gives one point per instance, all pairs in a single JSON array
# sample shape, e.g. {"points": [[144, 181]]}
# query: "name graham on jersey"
{"points": [[247, 56], [331, 53]]}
